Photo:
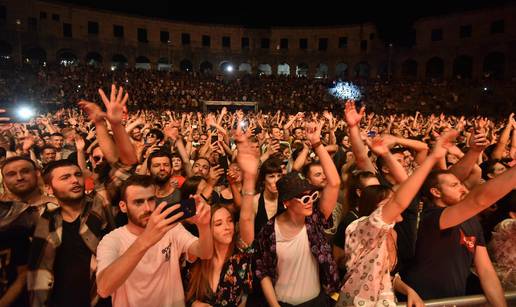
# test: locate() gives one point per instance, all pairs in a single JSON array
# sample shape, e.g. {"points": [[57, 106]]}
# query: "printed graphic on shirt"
{"points": [[166, 252], [469, 242]]}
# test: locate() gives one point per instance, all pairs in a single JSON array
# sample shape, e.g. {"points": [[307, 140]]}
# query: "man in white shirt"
{"points": [[138, 264]]}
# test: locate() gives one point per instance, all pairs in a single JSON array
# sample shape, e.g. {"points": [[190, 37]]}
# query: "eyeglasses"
{"points": [[97, 158], [308, 198]]}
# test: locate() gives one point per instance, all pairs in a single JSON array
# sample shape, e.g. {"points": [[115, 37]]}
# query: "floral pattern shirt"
{"points": [[235, 280], [368, 280], [267, 259], [503, 250]]}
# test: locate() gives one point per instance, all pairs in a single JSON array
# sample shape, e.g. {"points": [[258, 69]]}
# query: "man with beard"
{"points": [[450, 238], [21, 179], [314, 174], [159, 164], [62, 258], [65, 240], [138, 264], [23, 203]]}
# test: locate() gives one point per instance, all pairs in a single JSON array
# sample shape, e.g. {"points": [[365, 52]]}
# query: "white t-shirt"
{"points": [[156, 280], [298, 271]]}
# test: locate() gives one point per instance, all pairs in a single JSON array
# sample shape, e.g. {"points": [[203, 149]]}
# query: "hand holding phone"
{"points": [[186, 206], [160, 221]]}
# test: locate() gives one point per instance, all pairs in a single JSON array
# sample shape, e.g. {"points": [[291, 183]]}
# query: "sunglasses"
{"points": [[308, 198]]}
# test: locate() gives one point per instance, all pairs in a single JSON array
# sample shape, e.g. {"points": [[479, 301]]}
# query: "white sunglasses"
{"points": [[307, 198]]}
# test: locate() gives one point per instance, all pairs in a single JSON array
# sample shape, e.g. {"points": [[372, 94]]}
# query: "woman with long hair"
{"points": [[226, 279], [371, 240]]}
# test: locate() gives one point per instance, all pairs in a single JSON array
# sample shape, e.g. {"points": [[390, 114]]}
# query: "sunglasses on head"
{"points": [[308, 198]]}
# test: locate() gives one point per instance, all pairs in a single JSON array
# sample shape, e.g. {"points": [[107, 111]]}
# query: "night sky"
{"points": [[393, 19]]}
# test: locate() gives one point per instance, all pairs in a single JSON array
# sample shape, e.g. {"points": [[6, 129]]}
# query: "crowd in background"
{"points": [[60, 86], [311, 201]]}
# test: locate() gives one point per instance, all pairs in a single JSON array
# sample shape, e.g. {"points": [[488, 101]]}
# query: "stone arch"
{"points": [[362, 70], [463, 67], [142, 62], [283, 69], [265, 69], [302, 70], [245, 68], [206, 67], [322, 71], [341, 70], [93, 58]]}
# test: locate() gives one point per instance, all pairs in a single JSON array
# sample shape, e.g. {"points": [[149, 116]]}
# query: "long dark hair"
{"points": [[371, 197]]}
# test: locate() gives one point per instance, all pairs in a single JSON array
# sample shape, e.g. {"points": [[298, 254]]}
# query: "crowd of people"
{"points": [[142, 200], [62, 86]]}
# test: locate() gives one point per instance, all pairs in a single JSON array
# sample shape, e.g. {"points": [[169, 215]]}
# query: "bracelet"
{"points": [[248, 193], [314, 146]]}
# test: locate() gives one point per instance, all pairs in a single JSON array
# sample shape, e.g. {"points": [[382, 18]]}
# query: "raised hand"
{"points": [[214, 175], [79, 142], [115, 105], [202, 216], [172, 132], [351, 115], [158, 224], [92, 110], [378, 146], [248, 158], [313, 131], [478, 142], [444, 142]]}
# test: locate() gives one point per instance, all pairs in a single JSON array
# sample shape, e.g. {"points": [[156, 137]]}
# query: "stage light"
{"points": [[229, 68], [345, 90], [25, 113]]}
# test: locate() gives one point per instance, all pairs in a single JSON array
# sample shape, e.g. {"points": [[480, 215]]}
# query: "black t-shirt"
{"points": [[72, 269], [443, 257], [14, 250], [339, 238]]}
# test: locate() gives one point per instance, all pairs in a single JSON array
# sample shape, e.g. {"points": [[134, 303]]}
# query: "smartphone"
{"points": [[371, 134], [223, 163], [187, 206], [214, 139]]}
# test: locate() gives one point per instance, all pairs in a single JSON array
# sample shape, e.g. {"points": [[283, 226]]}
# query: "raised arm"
{"points": [[504, 139], [115, 274], [353, 119], [421, 148], [114, 111], [248, 161], [478, 199], [463, 168], [379, 147], [409, 188], [106, 143], [331, 190], [81, 158]]}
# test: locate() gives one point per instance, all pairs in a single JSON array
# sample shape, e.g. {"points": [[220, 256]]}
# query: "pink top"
{"points": [[368, 280]]}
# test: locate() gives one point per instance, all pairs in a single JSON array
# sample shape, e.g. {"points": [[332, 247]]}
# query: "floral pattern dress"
{"points": [[368, 280], [235, 279], [503, 251]]}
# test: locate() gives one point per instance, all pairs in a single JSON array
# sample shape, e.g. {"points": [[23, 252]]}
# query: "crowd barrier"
{"points": [[471, 300]]}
